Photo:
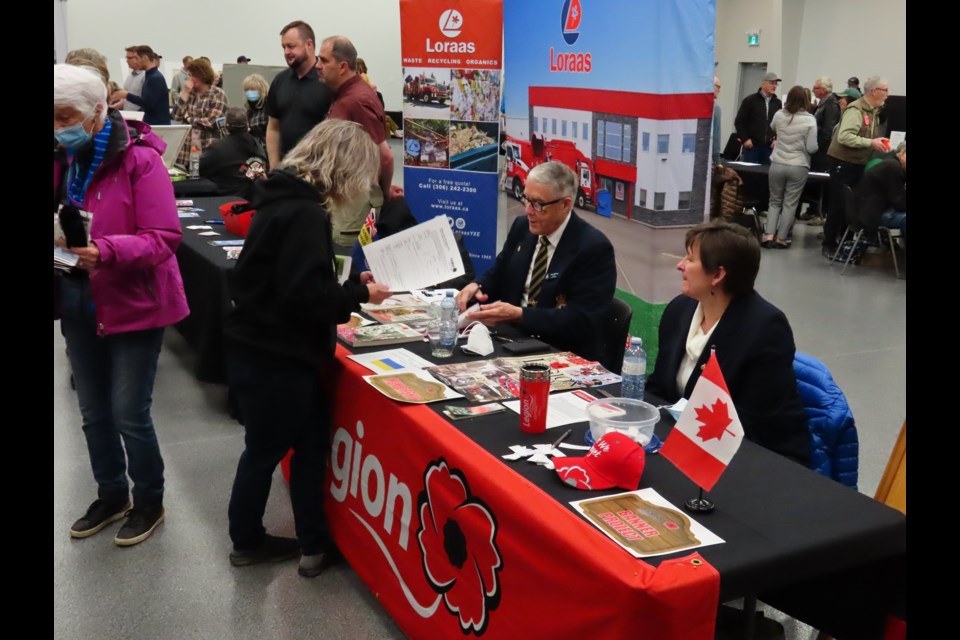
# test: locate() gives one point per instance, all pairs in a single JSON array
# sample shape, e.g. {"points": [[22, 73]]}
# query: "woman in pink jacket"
{"points": [[123, 291]]}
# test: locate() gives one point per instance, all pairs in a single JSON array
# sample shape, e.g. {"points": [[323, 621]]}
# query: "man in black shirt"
{"points": [[753, 120], [297, 100], [234, 163]]}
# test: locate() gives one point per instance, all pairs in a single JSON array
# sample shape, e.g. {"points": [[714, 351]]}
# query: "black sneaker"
{"points": [[139, 525], [272, 549], [99, 515]]}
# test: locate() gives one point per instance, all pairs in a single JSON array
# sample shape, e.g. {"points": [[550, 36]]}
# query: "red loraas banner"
{"points": [[454, 543]]}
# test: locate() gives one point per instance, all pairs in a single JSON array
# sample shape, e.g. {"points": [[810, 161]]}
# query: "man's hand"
{"points": [[467, 293], [396, 191], [366, 277], [378, 292], [493, 314], [748, 144], [89, 256], [878, 145]]}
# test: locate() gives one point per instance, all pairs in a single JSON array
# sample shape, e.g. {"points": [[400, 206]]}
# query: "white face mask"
{"points": [[478, 340]]}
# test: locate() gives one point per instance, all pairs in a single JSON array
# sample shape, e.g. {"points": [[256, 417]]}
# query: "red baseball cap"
{"points": [[615, 460]]}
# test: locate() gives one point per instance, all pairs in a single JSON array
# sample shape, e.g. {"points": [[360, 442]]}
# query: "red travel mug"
{"points": [[534, 391]]}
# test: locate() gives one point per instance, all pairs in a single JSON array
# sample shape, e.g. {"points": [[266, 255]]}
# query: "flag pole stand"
{"points": [[699, 504]]}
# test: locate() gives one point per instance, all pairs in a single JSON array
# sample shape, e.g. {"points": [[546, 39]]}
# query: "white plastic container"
{"points": [[634, 418]]}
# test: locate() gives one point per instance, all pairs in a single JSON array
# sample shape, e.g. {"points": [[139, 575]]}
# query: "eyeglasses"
{"points": [[537, 205], [881, 89]]}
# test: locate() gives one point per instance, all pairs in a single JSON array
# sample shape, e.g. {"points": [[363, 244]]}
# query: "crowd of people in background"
{"points": [[842, 132]]}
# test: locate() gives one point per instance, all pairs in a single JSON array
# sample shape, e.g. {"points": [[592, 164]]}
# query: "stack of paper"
{"points": [[63, 259]]}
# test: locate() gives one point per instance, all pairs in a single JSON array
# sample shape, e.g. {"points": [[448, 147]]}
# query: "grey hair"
{"points": [[79, 88], [87, 54], [825, 82], [338, 158], [902, 147], [872, 82], [557, 176], [343, 51]]}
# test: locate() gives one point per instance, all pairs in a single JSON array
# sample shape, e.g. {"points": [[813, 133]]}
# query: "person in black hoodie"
{"points": [[236, 162], [281, 334]]}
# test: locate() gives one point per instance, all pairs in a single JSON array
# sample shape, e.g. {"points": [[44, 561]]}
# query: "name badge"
{"points": [[552, 276], [866, 120]]}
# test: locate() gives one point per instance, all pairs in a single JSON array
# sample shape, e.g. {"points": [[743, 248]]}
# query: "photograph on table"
{"points": [[425, 143], [476, 95], [473, 146]]}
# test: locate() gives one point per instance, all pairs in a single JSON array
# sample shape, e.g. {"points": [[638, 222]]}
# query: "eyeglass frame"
{"points": [[539, 206]]}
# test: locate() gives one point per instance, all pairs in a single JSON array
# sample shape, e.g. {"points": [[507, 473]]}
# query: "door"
{"points": [[751, 75]]}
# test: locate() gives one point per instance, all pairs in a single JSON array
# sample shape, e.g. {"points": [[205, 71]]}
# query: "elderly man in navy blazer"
{"points": [[555, 276]]}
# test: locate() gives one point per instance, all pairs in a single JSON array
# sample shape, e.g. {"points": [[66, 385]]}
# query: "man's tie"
{"points": [[539, 272]]}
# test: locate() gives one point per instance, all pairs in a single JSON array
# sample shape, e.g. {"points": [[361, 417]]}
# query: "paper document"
{"points": [[390, 360], [417, 257], [896, 137], [562, 408], [413, 385]]}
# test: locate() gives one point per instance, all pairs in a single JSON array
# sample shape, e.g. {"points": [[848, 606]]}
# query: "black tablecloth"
{"points": [[798, 540], [809, 546], [756, 184]]}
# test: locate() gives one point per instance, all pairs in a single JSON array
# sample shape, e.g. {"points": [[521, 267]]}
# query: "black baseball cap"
{"points": [[242, 59]]}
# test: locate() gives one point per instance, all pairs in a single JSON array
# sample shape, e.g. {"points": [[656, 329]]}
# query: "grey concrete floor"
{"points": [[179, 583]]}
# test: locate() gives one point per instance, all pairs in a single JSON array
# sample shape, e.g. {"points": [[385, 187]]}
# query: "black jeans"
{"points": [[841, 173], [284, 406]]}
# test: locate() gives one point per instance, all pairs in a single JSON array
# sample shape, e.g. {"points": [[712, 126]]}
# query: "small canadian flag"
{"points": [[708, 432]]}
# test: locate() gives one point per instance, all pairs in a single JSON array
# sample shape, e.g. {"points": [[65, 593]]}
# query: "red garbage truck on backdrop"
{"points": [[523, 155]]}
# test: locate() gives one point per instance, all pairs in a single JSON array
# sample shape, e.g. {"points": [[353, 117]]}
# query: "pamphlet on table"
{"points": [[390, 360], [414, 385], [499, 378], [644, 523]]}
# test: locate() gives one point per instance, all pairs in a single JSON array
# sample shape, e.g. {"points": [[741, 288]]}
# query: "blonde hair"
{"points": [[338, 158], [258, 82]]}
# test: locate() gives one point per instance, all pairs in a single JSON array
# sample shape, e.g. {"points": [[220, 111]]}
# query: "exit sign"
{"points": [[753, 39]]}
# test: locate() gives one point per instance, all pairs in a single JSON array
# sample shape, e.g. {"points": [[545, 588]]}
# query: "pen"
{"points": [[561, 438], [479, 289], [214, 221]]}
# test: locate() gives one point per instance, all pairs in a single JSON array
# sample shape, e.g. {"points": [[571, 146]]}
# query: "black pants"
{"points": [[841, 174]]}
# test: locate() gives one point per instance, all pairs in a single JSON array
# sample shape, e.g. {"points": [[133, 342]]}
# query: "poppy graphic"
{"points": [[458, 538]]}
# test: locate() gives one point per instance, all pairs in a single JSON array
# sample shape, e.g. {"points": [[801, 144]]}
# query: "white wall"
{"points": [[800, 39], [224, 30]]}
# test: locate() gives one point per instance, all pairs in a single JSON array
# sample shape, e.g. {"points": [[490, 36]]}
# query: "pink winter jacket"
{"points": [[135, 225]]}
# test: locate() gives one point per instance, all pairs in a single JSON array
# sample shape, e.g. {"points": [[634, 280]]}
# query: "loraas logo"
{"points": [[569, 20], [451, 22]]}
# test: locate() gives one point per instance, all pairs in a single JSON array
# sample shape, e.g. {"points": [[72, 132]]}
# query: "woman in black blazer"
{"points": [[754, 343]]}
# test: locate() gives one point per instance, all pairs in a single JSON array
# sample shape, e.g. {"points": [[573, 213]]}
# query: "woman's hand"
{"points": [[366, 277], [89, 256]]}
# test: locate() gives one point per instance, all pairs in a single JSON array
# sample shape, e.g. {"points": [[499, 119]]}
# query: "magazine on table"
{"points": [[378, 335]]}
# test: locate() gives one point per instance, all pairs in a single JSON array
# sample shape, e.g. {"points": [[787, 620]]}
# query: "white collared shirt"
{"points": [[696, 343], [554, 239]]}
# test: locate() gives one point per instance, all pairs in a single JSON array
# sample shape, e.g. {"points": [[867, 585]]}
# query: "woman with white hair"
{"points": [[281, 335], [116, 301]]}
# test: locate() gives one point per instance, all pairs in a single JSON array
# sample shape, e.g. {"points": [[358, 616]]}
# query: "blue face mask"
{"points": [[73, 137], [252, 96]]}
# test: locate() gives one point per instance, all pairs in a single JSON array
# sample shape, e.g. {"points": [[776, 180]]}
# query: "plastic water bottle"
{"points": [[194, 162], [634, 371], [448, 322]]}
